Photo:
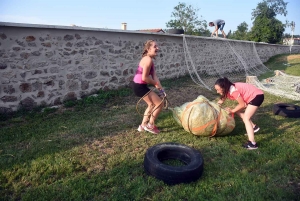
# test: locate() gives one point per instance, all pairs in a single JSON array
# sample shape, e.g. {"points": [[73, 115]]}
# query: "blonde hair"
{"points": [[147, 45]]}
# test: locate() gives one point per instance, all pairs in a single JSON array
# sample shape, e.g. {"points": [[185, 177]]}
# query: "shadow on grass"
{"points": [[26, 138], [75, 143], [230, 170], [228, 167]]}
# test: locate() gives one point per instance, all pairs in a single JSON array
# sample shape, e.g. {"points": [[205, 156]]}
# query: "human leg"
{"points": [[154, 108], [241, 115], [147, 113], [221, 29], [246, 117], [249, 112], [142, 90], [146, 118], [224, 34], [155, 100]]}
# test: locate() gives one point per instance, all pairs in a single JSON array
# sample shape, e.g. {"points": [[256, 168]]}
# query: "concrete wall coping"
{"points": [[43, 26]]}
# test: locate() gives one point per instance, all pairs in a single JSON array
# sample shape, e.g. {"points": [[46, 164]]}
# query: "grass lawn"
{"points": [[91, 150]]}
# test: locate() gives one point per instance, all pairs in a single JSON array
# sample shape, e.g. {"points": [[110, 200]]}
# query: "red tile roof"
{"points": [[152, 30]]}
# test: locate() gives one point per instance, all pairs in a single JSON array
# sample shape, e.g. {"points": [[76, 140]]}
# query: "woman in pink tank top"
{"points": [[145, 74], [249, 98]]}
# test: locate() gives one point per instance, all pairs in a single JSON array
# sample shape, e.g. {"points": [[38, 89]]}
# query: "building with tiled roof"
{"points": [[152, 30], [291, 41]]}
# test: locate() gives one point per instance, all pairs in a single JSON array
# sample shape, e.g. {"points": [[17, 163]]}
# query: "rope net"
{"points": [[282, 85], [236, 61]]}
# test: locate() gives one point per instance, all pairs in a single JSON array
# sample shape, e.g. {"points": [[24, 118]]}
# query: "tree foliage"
{"points": [[266, 28], [186, 18], [270, 8], [229, 34], [241, 33]]}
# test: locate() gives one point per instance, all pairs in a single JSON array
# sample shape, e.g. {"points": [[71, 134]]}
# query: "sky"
{"points": [[137, 14]]}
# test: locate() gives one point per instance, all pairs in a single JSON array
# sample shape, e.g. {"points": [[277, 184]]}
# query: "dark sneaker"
{"points": [[250, 146], [256, 128]]}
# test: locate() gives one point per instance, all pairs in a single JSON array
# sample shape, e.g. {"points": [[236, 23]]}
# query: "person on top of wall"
{"points": [[248, 97], [219, 24], [145, 74]]}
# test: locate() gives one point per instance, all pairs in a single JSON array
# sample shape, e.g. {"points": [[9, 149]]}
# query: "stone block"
{"points": [[28, 103], [25, 87], [10, 99]]}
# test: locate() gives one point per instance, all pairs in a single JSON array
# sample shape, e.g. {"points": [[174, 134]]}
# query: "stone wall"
{"points": [[47, 65]]}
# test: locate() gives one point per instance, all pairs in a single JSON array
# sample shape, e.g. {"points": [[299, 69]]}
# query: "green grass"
{"points": [[90, 150], [289, 63]]}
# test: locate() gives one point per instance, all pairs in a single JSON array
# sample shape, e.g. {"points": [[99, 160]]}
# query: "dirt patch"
{"points": [[291, 57], [288, 58]]}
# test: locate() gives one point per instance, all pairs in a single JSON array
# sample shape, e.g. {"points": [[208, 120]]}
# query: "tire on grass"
{"points": [[286, 110], [191, 158]]}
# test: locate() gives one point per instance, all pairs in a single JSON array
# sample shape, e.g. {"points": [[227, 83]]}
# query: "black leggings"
{"points": [[140, 89], [258, 100]]}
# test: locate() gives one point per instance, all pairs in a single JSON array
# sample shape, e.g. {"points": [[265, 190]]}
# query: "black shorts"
{"points": [[258, 100], [140, 89]]}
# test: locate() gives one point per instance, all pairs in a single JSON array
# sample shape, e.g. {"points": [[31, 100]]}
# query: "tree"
{"points": [[229, 34], [274, 7], [266, 28], [186, 18], [241, 33]]}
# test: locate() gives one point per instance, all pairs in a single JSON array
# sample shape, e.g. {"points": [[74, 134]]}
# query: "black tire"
{"points": [[191, 171], [175, 31], [286, 110]]}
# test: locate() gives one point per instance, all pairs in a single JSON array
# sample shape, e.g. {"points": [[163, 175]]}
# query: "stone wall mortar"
{"points": [[47, 65]]}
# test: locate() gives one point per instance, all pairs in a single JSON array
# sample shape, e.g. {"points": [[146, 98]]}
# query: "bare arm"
{"points": [[241, 105], [215, 31], [156, 80]]}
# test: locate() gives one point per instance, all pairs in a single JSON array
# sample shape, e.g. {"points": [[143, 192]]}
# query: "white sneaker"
{"points": [[140, 128], [152, 129]]}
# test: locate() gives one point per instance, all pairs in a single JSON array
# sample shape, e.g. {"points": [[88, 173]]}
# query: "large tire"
{"points": [[286, 110], [175, 31], [191, 171]]}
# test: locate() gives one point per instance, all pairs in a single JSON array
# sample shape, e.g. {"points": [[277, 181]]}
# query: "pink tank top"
{"points": [[138, 75], [247, 91]]}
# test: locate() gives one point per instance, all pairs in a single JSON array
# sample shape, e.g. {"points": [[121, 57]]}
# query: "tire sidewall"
{"points": [[281, 110], [153, 163]]}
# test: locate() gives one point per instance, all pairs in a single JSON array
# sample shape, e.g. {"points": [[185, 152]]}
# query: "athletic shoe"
{"points": [[250, 146], [140, 128], [255, 128], [151, 129]]}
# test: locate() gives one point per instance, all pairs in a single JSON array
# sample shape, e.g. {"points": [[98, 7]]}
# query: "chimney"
{"points": [[124, 26]]}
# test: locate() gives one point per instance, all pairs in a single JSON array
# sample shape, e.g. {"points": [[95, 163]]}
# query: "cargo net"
{"points": [[234, 60], [237, 61], [281, 84]]}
